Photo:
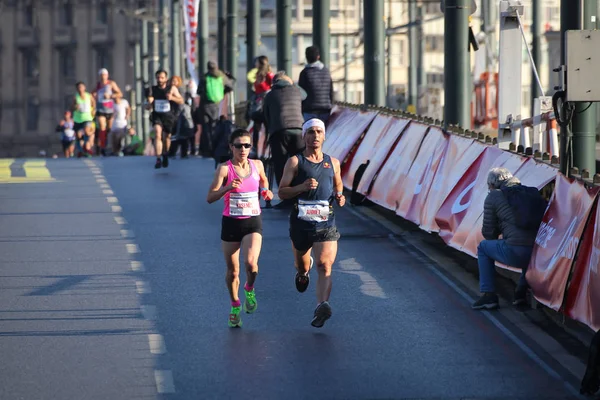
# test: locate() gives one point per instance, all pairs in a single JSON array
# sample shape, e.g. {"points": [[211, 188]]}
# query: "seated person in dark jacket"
{"points": [[515, 247], [315, 80]]}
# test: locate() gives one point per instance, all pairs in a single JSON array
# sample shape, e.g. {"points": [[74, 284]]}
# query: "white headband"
{"points": [[311, 123]]}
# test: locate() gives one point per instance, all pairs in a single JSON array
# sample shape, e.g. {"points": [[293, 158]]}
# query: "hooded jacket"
{"points": [[316, 81]]}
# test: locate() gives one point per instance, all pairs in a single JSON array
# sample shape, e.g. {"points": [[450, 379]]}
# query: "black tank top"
{"points": [[161, 94], [314, 209]]}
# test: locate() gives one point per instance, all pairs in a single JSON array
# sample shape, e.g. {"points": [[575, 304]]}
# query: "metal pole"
{"points": [[139, 87], [421, 75], [145, 77], [176, 24], [389, 57], [221, 29], [413, 54], [252, 37], [584, 120], [536, 49], [232, 42], [374, 52], [284, 37], [202, 32], [164, 40], [456, 63], [322, 14], [346, 68], [155, 50]]}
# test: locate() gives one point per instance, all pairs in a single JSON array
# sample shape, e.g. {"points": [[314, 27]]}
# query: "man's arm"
{"points": [[490, 227], [116, 91], [302, 80], [337, 182]]}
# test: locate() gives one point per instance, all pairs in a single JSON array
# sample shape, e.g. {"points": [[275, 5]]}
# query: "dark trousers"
{"points": [[284, 144]]}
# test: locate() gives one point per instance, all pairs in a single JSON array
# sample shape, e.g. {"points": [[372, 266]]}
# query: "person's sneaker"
{"points": [[302, 280], [488, 301], [158, 163], [165, 161], [235, 320], [520, 296], [322, 314], [250, 305]]}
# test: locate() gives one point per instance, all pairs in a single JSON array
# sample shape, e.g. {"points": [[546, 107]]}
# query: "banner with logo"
{"points": [[339, 142], [190, 20], [385, 145], [557, 241], [421, 174], [388, 186], [583, 294], [460, 153]]}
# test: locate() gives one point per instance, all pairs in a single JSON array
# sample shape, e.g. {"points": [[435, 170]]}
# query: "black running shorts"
{"points": [[166, 120], [305, 239], [234, 229]]}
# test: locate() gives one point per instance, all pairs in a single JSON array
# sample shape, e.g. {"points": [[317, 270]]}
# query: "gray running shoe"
{"points": [[322, 314]]}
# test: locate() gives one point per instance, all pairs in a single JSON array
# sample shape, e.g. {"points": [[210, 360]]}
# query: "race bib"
{"points": [[84, 108], [108, 104], [162, 106], [69, 133], [313, 210], [244, 204]]}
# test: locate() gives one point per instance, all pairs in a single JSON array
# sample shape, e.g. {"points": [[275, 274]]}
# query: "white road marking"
{"points": [[157, 344], [142, 287], [120, 220], [95, 170], [132, 248], [164, 381], [100, 180], [149, 312], [104, 186], [112, 200], [116, 209], [107, 191], [127, 233], [137, 266]]}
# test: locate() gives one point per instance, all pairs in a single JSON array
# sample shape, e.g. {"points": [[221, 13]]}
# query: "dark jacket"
{"points": [[283, 107], [316, 81], [498, 219]]}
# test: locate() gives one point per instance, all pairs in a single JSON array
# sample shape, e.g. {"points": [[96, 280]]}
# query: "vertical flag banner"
{"points": [[190, 19]]}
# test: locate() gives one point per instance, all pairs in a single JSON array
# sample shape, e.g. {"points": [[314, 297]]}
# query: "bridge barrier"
{"points": [[438, 180]]}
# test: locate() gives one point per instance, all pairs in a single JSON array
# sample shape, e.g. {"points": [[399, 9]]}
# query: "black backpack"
{"points": [[527, 204]]}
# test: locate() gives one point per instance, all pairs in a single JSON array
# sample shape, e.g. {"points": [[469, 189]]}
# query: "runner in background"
{"points": [[238, 181], [118, 130], [67, 134], [105, 94], [313, 180], [83, 117]]}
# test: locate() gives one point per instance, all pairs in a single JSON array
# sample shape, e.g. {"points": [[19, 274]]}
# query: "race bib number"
{"points": [[162, 106], [84, 108], [244, 204], [69, 133], [108, 104], [313, 211]]}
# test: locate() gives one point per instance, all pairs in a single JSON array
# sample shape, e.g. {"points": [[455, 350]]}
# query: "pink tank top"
{"points": [[242, 202]]}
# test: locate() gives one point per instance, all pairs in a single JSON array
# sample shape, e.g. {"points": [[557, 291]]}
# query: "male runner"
{"points": [[105, 94], [163, 101], [313, 180], [83, 116]]}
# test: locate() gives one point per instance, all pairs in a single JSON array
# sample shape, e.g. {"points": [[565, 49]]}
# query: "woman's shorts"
{"points": [[234, 229]]}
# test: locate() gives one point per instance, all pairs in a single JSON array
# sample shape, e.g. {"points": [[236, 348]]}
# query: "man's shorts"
{"points": [[166, 120], [234, 229], [105, 115], [80, 126], [305, 239]]}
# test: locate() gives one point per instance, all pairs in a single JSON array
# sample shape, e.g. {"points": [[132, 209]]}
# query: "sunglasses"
{"points": [[244, 145]]}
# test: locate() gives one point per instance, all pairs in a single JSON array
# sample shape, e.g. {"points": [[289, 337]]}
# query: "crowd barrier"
{"points": [[438, 180]]}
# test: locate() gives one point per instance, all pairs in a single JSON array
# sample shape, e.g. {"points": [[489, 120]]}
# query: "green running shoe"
{"points": [[250, 304], [235, 321]]}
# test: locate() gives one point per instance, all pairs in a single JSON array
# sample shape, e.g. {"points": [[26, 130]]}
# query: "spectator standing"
{"points": [[315, 80]]}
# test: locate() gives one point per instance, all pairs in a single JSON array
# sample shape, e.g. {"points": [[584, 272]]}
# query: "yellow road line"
{"points": [[5, 168], [37, 170]]}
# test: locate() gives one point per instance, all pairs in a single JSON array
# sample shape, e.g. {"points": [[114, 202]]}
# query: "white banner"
{"points": [[190, 18]]}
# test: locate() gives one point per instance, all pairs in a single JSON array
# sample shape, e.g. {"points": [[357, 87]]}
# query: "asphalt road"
{"points": [[112, 287]]}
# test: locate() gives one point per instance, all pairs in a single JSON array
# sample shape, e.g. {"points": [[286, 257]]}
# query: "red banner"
{"points": [[420, 176], [583, 294], [384, 147], [368, 146], [459, 155], [345, 131], [557, 241], [473, 220], [390, 181]]}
